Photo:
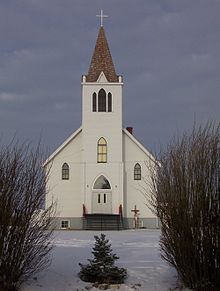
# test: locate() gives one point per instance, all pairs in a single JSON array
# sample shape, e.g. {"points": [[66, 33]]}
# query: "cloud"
{"points": [[9, 97], [167, 51]]}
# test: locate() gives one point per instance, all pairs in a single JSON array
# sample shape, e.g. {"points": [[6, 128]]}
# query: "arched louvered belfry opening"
{"points": [[137, 171], [65, 172], [102, 101], [102, 150]]}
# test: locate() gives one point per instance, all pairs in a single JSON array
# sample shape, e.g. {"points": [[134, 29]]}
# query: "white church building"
{"points": [[96, 175]]}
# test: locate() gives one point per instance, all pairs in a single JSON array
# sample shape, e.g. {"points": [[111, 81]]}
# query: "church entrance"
{"points": [[102, 196], [102, 202]]}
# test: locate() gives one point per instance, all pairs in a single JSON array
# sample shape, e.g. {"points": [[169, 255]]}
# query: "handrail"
{"points": [[120, 210], [84, 210], [121, 215]]}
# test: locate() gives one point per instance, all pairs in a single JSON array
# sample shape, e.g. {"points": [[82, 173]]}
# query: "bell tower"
{"points": [[102, 103], [102, 123]]}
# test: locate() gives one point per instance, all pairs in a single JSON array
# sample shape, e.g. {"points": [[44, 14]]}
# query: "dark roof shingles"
{"points": [[101, 60]]}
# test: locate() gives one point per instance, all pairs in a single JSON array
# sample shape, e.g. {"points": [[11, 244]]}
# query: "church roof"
{"points": [[101, 60]]}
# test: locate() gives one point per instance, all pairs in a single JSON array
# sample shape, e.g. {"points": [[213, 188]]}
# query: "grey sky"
{"points": [[167, 50]]}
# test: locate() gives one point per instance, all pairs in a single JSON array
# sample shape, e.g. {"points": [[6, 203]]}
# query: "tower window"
{"points": [[137, 172], [94, 103], [65, 171], [109, 102], [102, 151], [102, 101]]}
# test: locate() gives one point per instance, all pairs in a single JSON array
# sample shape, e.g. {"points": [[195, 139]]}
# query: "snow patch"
{"points": [[138, 251]]}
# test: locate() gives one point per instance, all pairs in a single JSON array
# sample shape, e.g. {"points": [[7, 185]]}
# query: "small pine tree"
{"points": [[101, 269]]}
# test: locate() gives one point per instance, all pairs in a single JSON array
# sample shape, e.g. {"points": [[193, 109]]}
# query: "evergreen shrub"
{"points": [[101, 268]]}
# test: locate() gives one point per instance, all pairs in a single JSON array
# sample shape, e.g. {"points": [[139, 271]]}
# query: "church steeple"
{"points": [[101, 60]]}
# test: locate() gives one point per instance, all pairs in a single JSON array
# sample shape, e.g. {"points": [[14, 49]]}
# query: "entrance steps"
{"points": [[101, 221]]}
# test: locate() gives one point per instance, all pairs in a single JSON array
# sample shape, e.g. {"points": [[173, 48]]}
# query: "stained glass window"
{"points": [[102, 151]]}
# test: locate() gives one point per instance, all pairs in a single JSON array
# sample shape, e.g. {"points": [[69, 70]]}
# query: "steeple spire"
{"points": [[101, 60]]}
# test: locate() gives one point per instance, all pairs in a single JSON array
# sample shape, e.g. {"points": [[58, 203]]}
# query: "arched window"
{"points": [[102, 151], [94, 103], [102, 101], [109, 102], [102, 183], [65, 172], [137, 172]]}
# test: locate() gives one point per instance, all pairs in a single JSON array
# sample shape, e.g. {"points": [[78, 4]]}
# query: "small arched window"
{"points": [[94, 103], [109, 102], [102, 151], [65, 172], [102, 101], [137, 172]]}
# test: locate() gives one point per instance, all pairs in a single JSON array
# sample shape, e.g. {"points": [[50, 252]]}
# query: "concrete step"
{"points": [[102, 221]]}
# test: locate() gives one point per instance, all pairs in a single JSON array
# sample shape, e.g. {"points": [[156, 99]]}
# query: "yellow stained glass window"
{"points": [[102, 151]]}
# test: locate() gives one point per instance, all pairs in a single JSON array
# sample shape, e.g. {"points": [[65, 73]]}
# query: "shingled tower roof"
{"points": [[101, 60]]}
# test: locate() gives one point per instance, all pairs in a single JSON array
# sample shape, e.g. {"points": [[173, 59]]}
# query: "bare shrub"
{"points": [[186, 198], [25, 229]]}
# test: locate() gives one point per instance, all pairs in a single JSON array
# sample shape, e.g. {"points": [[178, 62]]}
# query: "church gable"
{"points": [[102, 78]]}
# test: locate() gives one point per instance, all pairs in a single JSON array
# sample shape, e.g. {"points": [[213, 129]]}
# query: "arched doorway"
{"points": [[102, 196]]}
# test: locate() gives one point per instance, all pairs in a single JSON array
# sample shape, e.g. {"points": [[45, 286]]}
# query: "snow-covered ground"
{"points": [[138, 251]]}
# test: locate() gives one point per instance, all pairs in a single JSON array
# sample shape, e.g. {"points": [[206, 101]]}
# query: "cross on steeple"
{"points": [[102, 16]]}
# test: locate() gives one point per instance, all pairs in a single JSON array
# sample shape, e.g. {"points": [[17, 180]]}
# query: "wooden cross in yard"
{"points": [[136, 216]]}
